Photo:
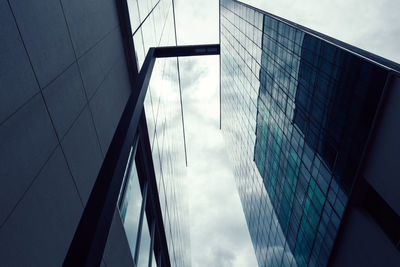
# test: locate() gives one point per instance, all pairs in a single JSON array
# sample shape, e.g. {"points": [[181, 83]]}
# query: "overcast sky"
{"points": [[219, 235], [372, 25]]}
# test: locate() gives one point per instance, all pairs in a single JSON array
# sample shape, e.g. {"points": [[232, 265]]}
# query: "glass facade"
{"points": [[152, 24], [296, 112]]}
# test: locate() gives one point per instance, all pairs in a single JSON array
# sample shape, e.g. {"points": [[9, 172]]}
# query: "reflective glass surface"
{"points": [[131, 197], [163, 110], [296, 112], [153, 261], [153, 25], [144, 252]]}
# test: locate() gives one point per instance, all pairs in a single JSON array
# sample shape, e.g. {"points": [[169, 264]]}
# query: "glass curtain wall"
{"points": [[152, 25], [241, 42], [297, 111]]}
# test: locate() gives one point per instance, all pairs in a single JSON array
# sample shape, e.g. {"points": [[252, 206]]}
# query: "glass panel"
{"points": [[153, 261], [139, 49], [130, 210], [163, 113], [145, 241], [133, 14]]}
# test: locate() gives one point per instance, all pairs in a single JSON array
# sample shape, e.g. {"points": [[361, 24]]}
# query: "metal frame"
{"points": [[87, 246], [127, 174], [140, 225], [153, 225], [146, 173], [152, 208]]}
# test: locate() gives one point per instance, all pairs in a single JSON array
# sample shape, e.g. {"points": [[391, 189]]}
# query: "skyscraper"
{"points": [[67, 70], [302, 113], [153, 25]]}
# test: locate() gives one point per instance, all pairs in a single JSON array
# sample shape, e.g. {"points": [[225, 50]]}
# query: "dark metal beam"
{"points": [[88, 244], [145, 162], [140, 227], [187, 50], [90, 238]]}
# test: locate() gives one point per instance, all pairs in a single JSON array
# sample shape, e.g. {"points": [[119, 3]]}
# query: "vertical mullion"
{"points": [[139, 232], [151, 243], [159, 259], [128, 172]]}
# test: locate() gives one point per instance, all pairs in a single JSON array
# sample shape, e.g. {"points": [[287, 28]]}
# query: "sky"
{"points": [[219, 235], [372, 25], [218, 229]]}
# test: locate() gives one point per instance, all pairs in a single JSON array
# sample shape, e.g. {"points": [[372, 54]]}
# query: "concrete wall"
{"points": [[383, 165], [363, 243], [63, 86]]}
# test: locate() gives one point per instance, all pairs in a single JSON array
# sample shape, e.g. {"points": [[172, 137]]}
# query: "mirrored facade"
{"points": [[152, 24], [296, 112]]}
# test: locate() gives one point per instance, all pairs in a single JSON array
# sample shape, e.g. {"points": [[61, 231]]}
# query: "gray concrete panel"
{"points": [[89, 21], [65, 98], [112, 50], [97, 62], [39, 231], [45, 35], [92, 73], [17, 79], [382, 168], [117, 251], [27, 140], [363, 243], [83, 153], [109, 102]]}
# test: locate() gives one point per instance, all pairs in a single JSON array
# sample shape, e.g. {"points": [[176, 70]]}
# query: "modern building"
{"points": [[312, 125], [67, 70]]}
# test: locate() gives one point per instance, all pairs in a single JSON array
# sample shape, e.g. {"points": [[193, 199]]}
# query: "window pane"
{"points": [[145, 241], [153, 261], [130, 208]]}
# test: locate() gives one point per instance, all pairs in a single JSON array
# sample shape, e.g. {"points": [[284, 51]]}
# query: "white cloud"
{"points": [[219, 232], [197, 21], [370, 25]]}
